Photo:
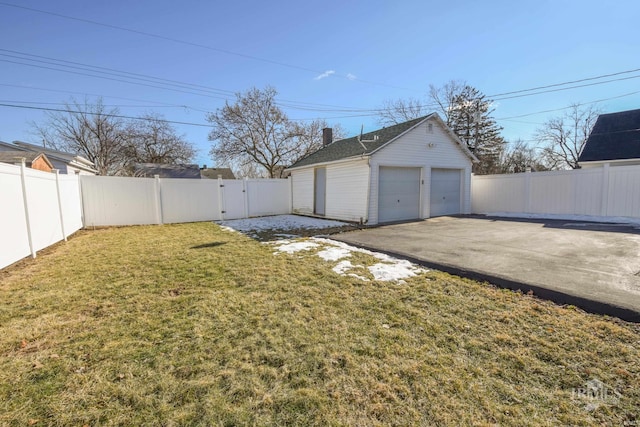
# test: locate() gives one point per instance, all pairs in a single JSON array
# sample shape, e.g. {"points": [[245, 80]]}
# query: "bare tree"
{"points": [[519, 156], [89, 130], [254, 130], [465, 110], [564, 137], [446, 98], [152, 140], [398, 111]]}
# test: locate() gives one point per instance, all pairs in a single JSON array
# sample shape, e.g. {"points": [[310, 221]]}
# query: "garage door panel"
{"points": [[398, 194], [445, 192]]}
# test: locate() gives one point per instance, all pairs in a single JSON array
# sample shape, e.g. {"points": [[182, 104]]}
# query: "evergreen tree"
{"points": [[470, 117]]}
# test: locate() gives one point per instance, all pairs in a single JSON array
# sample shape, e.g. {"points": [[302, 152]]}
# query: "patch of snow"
{"points": [[333, 254], [401, 269], [589, 218], [342, 267], [297, 247], [389, 269], [279, 222], [229, 229]]}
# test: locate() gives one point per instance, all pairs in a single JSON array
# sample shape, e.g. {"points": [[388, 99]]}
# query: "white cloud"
{"points": [[351, 76], [324, 75]]}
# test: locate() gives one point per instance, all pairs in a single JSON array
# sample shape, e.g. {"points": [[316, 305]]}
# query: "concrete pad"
{"points": [[594, 266]]}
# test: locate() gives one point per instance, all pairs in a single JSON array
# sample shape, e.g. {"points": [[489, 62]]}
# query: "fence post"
{"points": [[604, 209], [64, 234], [221, 197], [245, 193], [157, 199], [527, 190], [23, 169], [290, 180]]}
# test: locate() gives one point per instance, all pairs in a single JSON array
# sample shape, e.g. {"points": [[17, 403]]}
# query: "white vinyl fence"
{"points": [[111, 200], [604, 192], [38, 210]]}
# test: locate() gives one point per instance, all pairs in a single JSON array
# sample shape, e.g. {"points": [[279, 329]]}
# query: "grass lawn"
{"points": [[192, 325]]}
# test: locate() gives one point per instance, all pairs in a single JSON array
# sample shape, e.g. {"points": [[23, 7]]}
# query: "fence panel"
{"points": [[189, 200], [624, 191], [44, 213], [33, 216], [588, 185], [268, 197], [606, 192], [112, 200], [71, 203], [13, 225], [129, 201], [498, 193]]}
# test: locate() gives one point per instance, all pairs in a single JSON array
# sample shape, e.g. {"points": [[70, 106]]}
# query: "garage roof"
{"points": [[369, 142], [350, 147]]}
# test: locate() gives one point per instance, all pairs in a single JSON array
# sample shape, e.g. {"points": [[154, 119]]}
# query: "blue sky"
{"points": [[370, 51]]}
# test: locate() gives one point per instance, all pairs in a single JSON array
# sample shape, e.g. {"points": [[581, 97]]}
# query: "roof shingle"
{"points": [[615, 136], [350, 147]]}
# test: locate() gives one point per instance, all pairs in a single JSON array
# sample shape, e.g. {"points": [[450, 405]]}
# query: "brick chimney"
{"points": [[327, 136]]}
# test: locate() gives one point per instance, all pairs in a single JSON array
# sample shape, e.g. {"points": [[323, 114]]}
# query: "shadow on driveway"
{"points": [[593, 266]]}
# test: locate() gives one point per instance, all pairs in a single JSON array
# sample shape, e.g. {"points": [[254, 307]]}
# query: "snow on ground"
{"points": [[588, 218], [334, 254], [389, 269], [396, 271], [293, 247], [279, 222]]}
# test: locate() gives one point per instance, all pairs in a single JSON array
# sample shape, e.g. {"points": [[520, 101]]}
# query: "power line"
{"points": [[112, 71], [105, 105], [185, 42], [119, 116], [566, 88], [569, 82], [155, 80], [564, 108], [113, 79], [162, 104]]}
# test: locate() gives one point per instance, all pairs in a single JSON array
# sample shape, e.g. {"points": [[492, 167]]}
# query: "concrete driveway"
{"points": [[590, 265]]}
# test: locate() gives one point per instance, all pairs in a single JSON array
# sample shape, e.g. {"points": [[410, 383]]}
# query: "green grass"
{"points": [[191, 325]]}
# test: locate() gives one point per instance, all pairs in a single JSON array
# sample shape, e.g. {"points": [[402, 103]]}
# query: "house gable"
{"points": [[367, 144], [64, 162], [32, 160], [614, 137], [425, 147]]}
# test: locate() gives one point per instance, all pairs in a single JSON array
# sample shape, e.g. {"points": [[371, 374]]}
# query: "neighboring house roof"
{"points": [[15, 157], [73, 160], [213, 173], [371, 142], [167, 170], [615, 136]]}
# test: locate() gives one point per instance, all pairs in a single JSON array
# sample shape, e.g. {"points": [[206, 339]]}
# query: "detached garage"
{"points": [[413, 170]]}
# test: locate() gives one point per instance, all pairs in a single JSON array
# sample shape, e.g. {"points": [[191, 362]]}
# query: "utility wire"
{"points": [[159, 103], [185, 42], [566, 83], [158, 80], [564, 108], [119, 116]]}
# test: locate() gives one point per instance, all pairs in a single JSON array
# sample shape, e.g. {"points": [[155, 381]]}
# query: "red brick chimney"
{"points": [[327, 136]]}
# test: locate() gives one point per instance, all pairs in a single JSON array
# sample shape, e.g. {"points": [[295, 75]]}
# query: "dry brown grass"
{"points": [[190, 325]]}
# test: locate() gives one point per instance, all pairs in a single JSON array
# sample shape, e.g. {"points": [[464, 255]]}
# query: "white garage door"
{"points": [[398, 194], [445, 191]]}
